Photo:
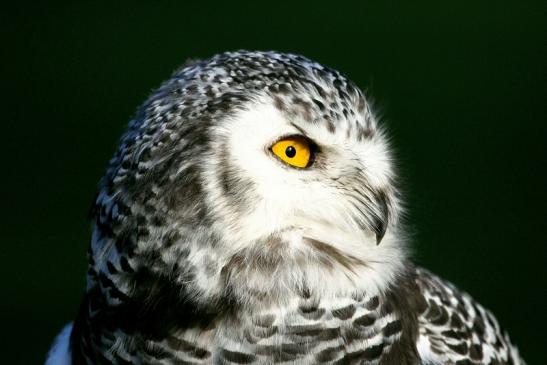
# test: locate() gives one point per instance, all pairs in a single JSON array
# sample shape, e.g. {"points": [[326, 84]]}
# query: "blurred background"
{"points": [[461, 86]]}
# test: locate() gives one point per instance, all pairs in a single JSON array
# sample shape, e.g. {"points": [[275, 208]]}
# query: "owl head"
{"points": [[248, 176]]}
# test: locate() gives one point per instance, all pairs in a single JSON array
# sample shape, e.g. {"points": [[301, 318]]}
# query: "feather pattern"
{"points": [[208, 249]]}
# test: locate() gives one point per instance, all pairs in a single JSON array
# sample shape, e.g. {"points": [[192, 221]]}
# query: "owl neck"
{"points": [[204, 274], [264, 274], [139, 293]]}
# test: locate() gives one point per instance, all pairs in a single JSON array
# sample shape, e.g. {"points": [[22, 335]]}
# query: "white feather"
{"points": [[59, 354]]}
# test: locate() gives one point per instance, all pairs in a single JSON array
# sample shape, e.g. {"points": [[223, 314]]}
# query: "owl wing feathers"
{"points": [[454, 329]]}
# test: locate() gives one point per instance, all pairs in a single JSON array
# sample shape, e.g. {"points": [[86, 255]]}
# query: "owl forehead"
{"points": [[298, 87]]}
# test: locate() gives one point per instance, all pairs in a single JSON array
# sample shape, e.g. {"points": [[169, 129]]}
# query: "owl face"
{"points": [[273, 172], [248, 175]]}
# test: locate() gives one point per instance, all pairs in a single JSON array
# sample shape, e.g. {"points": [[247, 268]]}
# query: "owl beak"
{"points": [[381, 220], [380, 232]]}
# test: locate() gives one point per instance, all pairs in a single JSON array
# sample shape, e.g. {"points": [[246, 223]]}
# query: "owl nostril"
{"points": [[290, 152]]}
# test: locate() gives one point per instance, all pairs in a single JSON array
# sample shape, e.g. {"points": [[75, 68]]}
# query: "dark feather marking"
{"points": [[392, 328], [365, 321], [442, 318], [453, 334], [285, 352], [372, 303], [188, 348], [475, 352], [369, 353], [351, 334], [461, 348], [469, 362], [344, 312], [329, 354], [478, 325], [237, 357], [334, 254], [304, 330], [311, 313]]}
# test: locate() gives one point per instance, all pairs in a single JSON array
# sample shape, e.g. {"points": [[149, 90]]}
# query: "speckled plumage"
{"points": [[206, 249]]}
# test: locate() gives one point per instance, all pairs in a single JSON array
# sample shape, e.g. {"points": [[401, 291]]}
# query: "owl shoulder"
{"points": [[455, 329]]}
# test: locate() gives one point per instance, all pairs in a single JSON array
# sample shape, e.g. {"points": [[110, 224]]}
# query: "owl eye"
{"points": [[295, 151]]}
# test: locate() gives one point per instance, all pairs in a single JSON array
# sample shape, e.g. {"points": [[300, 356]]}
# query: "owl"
{"points": [[251, 215]]}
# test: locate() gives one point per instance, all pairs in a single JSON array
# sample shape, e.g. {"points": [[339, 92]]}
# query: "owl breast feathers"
{"points": [[251, 215]]}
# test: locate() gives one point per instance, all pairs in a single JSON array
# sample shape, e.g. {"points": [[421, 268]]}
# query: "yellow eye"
{"points": [[294, 151]]}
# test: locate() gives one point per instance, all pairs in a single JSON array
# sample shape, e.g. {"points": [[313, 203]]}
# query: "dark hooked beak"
{"points": [[380, 221]]}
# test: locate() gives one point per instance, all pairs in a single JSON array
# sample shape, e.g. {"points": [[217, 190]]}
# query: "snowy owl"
{"points": [[251, 216]]}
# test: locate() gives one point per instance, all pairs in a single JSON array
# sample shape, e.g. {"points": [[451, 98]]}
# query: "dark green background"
{"points": [[461, 85]]}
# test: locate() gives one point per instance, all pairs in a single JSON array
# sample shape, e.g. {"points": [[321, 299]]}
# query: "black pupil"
{"points": [[290, 152]]}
